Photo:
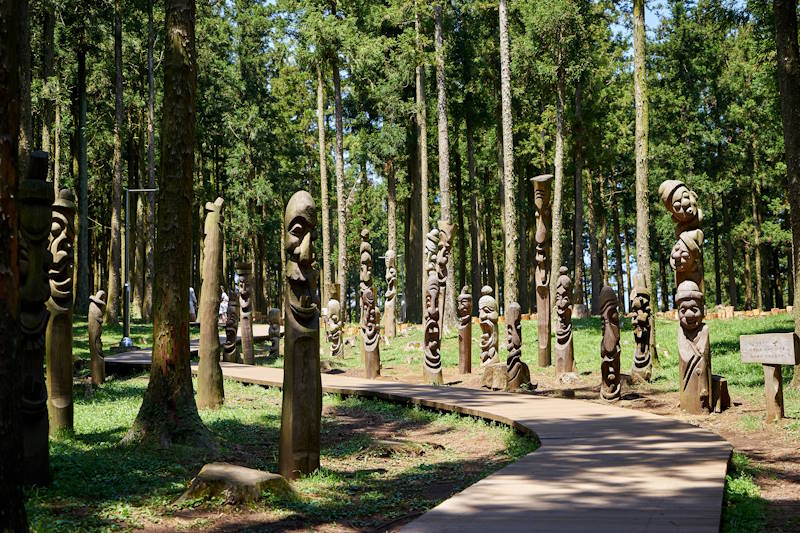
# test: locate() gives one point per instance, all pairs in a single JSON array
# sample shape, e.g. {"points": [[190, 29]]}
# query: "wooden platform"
{"points": [[140, 359], [599, 468]]}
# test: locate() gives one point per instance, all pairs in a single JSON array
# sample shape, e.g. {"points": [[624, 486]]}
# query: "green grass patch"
{"points": [[743, 509]]}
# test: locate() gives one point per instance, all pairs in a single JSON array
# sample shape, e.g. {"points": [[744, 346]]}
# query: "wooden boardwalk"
{"points": [[599, 468]]}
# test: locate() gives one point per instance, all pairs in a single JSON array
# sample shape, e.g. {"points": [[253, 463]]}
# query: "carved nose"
{"points": [[305, 249]]}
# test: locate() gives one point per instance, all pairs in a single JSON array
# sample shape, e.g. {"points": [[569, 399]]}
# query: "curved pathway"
{"points": [[599, 468]]}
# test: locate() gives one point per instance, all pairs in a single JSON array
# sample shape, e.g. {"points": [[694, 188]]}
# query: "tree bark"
{"points": [[48, 84], [25, 142], [412, 288], [327, 279], [113, 303], [640, 153], [341, 208], [623, 305], [628, 262], [12, 512], [594, 257], [511, 256], [474, 220], [422, 143], [717, 266], [449, 319], [558, 183], [82, 282], [665, 292], [577, 275], [147, 306], [755, 191], [461, 227], [726, 222], [168, 413]]}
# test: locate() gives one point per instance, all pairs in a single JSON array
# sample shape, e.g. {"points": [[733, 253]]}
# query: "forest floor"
{"points": [[763, 488], [99, 484]]}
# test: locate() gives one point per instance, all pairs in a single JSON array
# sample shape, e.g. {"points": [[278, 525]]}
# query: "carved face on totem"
{"points": [[563, 295], [391, 267], [365, 273], [432, 298], [445, 245], [99, 299], [464, 302], [513, 326], [609, 314], [62, 233], [334, 310], [431, 247], [691, 303], [686, 251], [368, 310], [301, 272], [681, 202], [244, 284], [487, 307], [216, 208]]}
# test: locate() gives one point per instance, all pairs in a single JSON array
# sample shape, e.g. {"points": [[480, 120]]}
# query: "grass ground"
{"points": [[99, 484], [763, 488]]}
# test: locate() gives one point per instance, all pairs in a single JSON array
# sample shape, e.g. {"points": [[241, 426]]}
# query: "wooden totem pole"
{"points": [[442, 257], [611, 388], [335, 326], [35, 208], [465, 331], [59, 325], [517, 371], [301, 414], [541, 192], [487, 315], [389, 317], [245, 272], [230, 352], [565, 355], [370, 331], [210, 391], [640, 307], [97, 311], [274, 319]]}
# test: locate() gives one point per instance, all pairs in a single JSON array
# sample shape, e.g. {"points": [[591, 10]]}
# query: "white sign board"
{"points": [[769, 349]]}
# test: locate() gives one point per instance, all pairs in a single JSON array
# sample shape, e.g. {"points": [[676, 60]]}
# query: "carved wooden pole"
{"points": [[517, 371], [432, 359], [230, 351], [274, 319], [565, 355], [541, 191], [35, 208], [335, 326], [611, 388], [444, 248], [301, 413], [370, 331], [59, 325], [210, 390], [389, 320], [97, 310], [245, 271], [640, 307], [686, 259], [465, 331], [487, 314]]}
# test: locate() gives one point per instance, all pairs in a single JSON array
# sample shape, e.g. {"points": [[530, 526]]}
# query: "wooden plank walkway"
{"points": [[599, 468]]}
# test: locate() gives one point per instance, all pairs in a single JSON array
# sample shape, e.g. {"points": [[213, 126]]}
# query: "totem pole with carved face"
{"points": [[541, 195], [611, 387]]}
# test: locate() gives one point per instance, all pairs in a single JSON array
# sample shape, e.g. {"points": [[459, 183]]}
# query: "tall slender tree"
{"points": [[511, 257], [113, 304], [422, 140], [323, 188]]}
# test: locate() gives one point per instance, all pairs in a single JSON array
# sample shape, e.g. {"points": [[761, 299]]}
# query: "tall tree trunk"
{"points": [[717, 266], [726, 222], [57, 141], [391, 215], [327, 279], [511, 257], [474, 220], [25, 143], [449, 319], [48, 84], [139, 223], [755, 190], [628, 262], [523, 183], [12, 512], [491, 260], [461, 227], [151, 170], [665, 292], [82, 281], [414, 257], [168, 413], [603, 231], [594, 257], [577, 275], [558, 184], [422, 147], [341, 208], [618, 250], [748, 281], [113, 303], [776, 278]]}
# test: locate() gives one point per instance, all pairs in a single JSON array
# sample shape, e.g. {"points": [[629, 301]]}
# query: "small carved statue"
{"points": [[518, 372], [541, 192], [693, 349], [245, 271], [488, 315], [210, 390], [301, 415], [610, 389], [335, 327], [274, 319], [465, 331], [97, 310], [640, 308], [370, 331], [230, 352], [432, 360], [35, 209], [565, 355], [59, 326], [389, 323]]}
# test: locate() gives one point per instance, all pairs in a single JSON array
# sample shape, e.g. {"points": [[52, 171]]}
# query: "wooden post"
{"points": [[773, 392]]}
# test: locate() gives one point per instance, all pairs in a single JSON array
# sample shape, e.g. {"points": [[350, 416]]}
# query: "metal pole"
{"points": [[126, 341]]}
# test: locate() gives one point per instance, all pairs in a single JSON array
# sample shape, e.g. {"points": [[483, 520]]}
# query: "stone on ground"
{"points": [[237, 484]]}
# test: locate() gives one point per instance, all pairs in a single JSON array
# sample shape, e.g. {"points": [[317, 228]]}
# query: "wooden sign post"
{"points": [[771, 350]]}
